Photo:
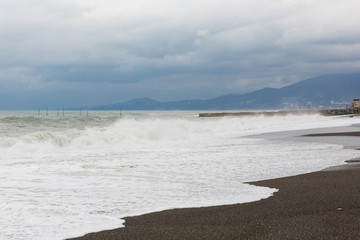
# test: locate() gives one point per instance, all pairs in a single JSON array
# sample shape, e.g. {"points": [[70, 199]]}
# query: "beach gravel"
{"points": [[305, 207]]}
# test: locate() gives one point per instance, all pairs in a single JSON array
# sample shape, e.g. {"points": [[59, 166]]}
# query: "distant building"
{"points": [[356, 103], [354, 109]]}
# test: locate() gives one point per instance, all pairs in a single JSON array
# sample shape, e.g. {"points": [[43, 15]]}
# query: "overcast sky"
{"points": [[71, 53]]}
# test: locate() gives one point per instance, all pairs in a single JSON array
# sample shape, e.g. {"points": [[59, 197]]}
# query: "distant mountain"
{"points": [[326, 91]]}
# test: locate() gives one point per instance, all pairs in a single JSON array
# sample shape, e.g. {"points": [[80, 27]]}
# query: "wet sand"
{"points": [[336, 134], [318, 205]]}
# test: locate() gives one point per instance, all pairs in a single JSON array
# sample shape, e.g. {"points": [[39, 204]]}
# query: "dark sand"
{"points": [[319, 205], [336, 134]]}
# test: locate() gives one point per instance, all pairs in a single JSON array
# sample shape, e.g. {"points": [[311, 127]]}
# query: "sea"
{"points": [[65, 174]]}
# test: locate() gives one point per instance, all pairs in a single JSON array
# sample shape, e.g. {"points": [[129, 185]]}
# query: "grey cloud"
{"points": [[170, 49]]}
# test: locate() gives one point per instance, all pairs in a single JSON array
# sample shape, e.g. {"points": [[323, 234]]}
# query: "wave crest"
{"points": [[56, 135]]}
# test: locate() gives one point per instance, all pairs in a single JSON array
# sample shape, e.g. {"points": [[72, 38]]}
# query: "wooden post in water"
{"points": [[39, 112], [47, 111], [63, 112]]}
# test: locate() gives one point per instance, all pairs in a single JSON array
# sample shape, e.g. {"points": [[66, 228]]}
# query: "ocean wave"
{"points": [[38, 135]]}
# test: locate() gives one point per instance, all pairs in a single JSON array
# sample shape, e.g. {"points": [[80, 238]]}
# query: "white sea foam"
{"points": [[66, 176], [65, 136]]}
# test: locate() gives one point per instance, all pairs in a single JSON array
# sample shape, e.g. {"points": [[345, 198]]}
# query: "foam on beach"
{"points": [[64, 177]]}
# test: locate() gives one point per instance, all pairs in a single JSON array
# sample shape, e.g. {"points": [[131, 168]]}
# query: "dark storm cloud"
{"points": [[116, 50]]}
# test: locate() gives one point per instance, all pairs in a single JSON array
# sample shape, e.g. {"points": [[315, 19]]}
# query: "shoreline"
{"points": [[317, 205]]}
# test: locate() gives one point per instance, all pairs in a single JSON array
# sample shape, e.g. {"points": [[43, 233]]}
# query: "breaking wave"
{"points": [[32, 135]]}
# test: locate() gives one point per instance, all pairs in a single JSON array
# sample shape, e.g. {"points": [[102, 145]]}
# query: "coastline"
{"points": [[318, 205]]}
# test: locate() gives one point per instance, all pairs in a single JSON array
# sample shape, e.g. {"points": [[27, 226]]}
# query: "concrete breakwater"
{"points": [[281, 113]]}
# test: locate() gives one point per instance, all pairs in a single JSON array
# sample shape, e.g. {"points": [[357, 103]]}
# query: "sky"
{"points": [[72, 53]]}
